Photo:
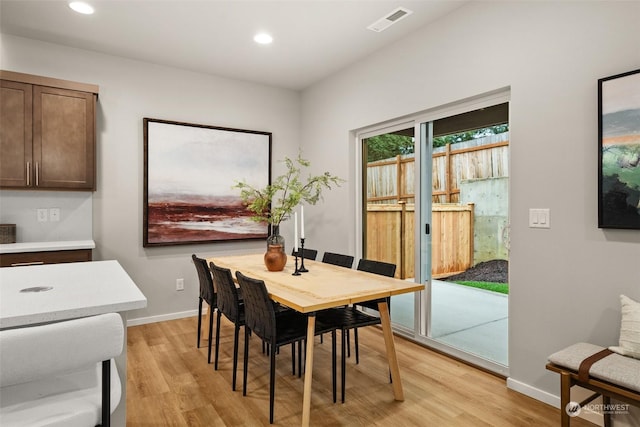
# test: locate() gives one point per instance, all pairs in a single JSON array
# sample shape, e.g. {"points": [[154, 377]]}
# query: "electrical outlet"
{"points": [[54, 214], [179, 284], [43, 215]]}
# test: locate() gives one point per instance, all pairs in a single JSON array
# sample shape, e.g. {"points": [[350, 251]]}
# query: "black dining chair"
{"points": [[338, 259], [352, 317], [208, 295], [311, 254], [275, 328], [231, 305]]}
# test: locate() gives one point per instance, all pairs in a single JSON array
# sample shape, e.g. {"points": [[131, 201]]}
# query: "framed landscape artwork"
{"points": [[619, 151], [189, 174]]}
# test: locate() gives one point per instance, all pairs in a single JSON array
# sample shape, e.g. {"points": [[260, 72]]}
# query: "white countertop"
{"points": [[12, 248], [78, 289]]}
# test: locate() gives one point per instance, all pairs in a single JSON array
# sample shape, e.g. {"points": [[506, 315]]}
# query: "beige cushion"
{"points": [[616, 369], [629, 329]]}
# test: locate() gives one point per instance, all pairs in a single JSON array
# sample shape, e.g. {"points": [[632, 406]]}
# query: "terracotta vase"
{"points": [[276, 258]]}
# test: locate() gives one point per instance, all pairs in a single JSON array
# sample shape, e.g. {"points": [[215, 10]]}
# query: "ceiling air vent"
{"points": [[390, 19]]}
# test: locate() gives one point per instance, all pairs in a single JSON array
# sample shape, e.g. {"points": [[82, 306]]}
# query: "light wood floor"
{"points": [[169, 383]]}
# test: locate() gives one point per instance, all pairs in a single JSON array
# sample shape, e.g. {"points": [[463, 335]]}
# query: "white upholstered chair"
{"points": [[53, 374]]}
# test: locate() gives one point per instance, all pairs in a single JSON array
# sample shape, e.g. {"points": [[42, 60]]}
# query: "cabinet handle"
{"points": [[37, 174], [23, 264], [28, 174]]}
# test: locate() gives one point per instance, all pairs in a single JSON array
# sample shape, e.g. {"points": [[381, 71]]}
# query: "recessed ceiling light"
{"points": [[81, 7], [263, 38]]}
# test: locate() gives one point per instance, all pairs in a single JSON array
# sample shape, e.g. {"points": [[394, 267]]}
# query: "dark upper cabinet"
{"points": [[47, 133]]}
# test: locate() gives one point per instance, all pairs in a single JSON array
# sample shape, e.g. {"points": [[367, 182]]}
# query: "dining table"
{"points": [[322, 287]]}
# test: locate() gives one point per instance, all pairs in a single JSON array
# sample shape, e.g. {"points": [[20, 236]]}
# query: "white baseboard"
{"points": [[533, 392], [163, 317], [551, 399]]}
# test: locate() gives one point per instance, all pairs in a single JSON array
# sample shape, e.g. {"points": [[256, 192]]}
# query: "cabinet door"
{"points": [[63, 138], [15, 134]]}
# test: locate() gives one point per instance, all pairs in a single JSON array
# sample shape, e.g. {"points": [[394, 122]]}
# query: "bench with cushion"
{"points": [[611, 373]]}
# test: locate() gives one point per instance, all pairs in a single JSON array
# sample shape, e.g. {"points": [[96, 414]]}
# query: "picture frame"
{"points": [[189, 174], [619, 151]]}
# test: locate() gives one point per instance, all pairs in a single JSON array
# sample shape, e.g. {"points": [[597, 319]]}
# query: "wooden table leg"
{"points": [[306, 400], [391, 350]]}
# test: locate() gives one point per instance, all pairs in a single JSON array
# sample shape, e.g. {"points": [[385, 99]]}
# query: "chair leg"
{"points": [[333, 363], [210, 332], [199, 320], [356, 346], [106, 393], [235, 355], [343, 372], [293, 358], [272, 384], [215, 364], [246, 361], [300, 356], [348, 343]]}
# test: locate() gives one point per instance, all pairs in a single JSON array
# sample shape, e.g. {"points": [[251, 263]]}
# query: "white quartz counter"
{"points": [[77, 289], [12, 248]]}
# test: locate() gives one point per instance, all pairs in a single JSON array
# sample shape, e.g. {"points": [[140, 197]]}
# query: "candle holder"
{"points": [[302, 268], [297, 272]]}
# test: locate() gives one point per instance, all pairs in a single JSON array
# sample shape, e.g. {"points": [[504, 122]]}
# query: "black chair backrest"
{"points": [[228, 298], [259, 312], [338, 259], [376, 267], [207, 291], [311, 254]]}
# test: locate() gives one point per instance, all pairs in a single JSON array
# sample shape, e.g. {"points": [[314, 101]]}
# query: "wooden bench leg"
{"points": [[606, 401], [565, 398]]}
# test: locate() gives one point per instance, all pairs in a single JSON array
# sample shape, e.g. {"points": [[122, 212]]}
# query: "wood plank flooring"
{"points": [[169, 383]]}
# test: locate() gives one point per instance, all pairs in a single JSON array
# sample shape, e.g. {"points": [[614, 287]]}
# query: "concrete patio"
{"points": [[470, 319]]}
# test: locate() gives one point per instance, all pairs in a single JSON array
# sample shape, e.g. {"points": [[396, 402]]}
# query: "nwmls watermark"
{"points": [[573, 409]]}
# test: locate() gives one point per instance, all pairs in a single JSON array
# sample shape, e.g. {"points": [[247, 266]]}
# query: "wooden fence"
{"points": [[390, 237], [391, 180]]}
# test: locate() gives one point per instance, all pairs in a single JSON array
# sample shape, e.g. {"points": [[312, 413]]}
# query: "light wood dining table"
{"points": [[325, 286]]}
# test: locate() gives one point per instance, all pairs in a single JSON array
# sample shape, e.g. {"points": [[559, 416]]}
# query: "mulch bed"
{"points": [[489, 271]]}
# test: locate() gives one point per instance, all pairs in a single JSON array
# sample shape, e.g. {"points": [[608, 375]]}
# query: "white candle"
{"points": [[295, 232], [302, 222]]}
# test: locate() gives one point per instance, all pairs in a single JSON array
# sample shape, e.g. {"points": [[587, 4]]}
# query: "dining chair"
{"points": [[311, 254], [338, 259], [230, 304], [352, 317], [275, 328], [208, 295], [61, 373], [375, 267]]}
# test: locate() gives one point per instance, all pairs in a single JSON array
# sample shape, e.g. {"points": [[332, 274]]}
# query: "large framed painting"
{"points": [[619, 151], [189, 174]]}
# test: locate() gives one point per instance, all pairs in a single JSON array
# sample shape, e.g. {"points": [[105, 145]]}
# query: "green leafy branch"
{"points": [[276, 201]]}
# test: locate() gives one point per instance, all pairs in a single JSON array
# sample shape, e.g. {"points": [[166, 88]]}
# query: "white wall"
{"points": [[565, 282], [129, 91]]}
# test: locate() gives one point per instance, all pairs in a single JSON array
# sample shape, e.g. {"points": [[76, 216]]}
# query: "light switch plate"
{"points": [[539, 218]]}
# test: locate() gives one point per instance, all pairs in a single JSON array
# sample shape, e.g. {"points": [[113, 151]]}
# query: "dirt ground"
{"points": [[489, 271]]}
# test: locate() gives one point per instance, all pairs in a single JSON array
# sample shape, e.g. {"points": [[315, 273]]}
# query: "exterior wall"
{"points": [[491, 216]]}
